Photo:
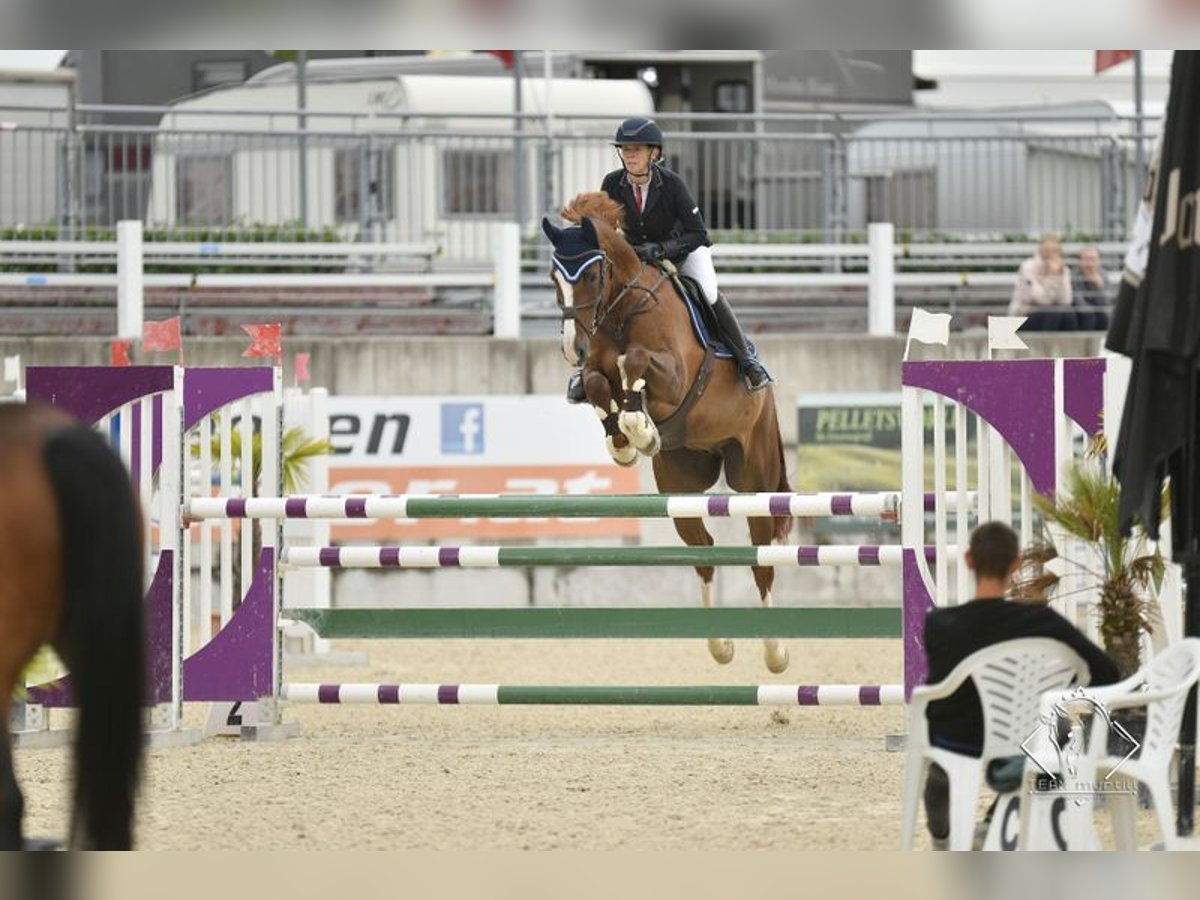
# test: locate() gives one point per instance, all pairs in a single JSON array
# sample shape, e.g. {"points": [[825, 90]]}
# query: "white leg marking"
{"points": [[622, 456], [720, 648], [777, 654], [637, 426]]}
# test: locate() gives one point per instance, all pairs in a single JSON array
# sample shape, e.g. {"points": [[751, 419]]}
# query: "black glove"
{"points": [[648, 252]]}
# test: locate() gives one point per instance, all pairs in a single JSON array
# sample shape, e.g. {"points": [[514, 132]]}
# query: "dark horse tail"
{"points": [[101, 632], [783, 524]]}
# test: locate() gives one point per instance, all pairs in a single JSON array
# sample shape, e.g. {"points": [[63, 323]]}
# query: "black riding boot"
{"points": [[575, 392], [756, 376]]}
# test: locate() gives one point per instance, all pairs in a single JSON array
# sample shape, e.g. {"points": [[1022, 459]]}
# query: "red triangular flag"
{"points": [[505, 56], [300, 367], [164, 335], [120, 353], [267, 341], [1106, 59]]}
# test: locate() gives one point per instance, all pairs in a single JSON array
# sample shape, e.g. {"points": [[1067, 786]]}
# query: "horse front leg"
{"points": [[635, 422], [600, 395]]}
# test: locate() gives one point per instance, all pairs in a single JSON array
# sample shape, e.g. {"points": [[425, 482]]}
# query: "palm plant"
{"points": [[1127, 570], [297, 451]]}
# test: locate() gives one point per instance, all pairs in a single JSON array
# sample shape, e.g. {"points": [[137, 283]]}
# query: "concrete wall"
{"points": [[480, 365]]}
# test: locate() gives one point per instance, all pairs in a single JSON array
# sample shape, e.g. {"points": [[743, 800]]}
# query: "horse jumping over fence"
{"points": [[71, 577], [659, 392]]}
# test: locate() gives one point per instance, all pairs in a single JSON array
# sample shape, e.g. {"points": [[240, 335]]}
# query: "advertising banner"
{"points": [[531, 444], [851, 442]]}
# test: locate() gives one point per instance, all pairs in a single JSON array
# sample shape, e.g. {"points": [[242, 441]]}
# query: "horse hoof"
{"points": [[632, 425], [722, 651], [641, 432], [778, 659], [623, 456]]}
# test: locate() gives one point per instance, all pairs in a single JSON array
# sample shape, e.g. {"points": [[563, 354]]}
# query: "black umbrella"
{"points": [[1157, 324]]}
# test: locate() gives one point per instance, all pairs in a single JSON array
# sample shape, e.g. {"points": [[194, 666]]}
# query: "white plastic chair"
{"points": [[1010, 677], [1161, 686]]}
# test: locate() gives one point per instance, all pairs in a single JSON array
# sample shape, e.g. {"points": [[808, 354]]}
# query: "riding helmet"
{"points": [[639, 130]]}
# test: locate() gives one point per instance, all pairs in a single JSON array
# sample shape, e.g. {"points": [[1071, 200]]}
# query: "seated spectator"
{"points": [[1090, 291], [953, 633], [1043, 290]]}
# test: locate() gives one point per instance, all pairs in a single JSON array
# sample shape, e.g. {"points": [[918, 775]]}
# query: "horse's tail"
{"points": [[783, 524], [101, 631]]}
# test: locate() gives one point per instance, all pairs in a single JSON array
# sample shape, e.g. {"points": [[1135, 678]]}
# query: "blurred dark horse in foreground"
{"points": [[71, 577]]}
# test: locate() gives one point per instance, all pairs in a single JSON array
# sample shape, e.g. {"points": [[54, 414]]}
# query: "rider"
{"points": [[662, 221]]}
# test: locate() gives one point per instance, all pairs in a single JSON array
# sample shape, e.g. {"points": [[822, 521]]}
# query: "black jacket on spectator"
{"points": [[671, 216], [953, 633], [1084, 293]]}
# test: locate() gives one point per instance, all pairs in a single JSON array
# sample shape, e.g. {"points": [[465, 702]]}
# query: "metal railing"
{"points": [[394, 178], [77, 286]]}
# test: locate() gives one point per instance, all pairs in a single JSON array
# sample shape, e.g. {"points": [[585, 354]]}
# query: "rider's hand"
{"points": [[648, 252]]}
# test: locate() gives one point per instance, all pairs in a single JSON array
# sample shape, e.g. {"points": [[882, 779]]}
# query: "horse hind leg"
{"points": [[689, 471], [694, 534], [762, 531]]}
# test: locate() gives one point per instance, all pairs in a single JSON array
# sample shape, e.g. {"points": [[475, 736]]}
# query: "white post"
{"points": [[506, 311], [166, 718], [130, 301], [308, 587], [881, 279]]}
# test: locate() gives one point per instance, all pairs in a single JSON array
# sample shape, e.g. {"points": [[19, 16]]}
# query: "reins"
{"points": [[647, 301]]}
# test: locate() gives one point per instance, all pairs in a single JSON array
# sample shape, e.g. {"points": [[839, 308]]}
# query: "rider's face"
{"points": [[636, 158]]}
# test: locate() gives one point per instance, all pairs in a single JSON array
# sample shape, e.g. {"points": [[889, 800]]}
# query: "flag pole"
{"points": [[518, 144], [1139, 123]]}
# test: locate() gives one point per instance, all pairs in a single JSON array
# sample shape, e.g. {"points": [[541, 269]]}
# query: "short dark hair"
{"points": [[994, 548]]}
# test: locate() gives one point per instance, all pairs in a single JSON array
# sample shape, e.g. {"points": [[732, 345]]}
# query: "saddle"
{"points": [[704, 320], [673, 429]]}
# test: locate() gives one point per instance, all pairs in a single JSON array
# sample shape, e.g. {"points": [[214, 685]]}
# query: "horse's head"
{"points": [[589, 260]]}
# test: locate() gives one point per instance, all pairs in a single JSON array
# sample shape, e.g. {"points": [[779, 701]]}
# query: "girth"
{"points": [[673, 429]]}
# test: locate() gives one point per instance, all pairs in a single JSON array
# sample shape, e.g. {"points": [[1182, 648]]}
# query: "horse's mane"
{"points": [[608, 217], [595, 205]]}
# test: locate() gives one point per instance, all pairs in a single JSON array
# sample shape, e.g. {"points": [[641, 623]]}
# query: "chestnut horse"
{"points": [[660, 393], [71, 577]]}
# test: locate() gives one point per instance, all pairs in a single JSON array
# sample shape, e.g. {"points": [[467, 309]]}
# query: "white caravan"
{"points": [[415, 158]]}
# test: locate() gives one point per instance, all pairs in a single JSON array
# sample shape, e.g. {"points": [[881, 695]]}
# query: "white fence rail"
{"points": [[878, 268]]}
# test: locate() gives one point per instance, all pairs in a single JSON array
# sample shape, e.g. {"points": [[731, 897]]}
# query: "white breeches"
{"points": [[699, 265]]}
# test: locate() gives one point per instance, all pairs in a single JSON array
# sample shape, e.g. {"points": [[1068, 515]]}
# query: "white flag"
{"points": [[928, 328], [1002, 333], [12, 369]]}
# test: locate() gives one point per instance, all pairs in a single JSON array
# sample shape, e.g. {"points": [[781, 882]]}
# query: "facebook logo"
{"points": [[462, 428]]}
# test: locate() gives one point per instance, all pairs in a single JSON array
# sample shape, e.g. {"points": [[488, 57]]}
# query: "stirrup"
{"points": [[575, 391], [756, 376]]}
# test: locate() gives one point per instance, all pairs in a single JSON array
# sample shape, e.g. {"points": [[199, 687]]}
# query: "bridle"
{"points": [[647, 301]]}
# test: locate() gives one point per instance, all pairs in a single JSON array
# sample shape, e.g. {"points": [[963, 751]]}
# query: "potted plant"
{"points": [[1127, 571]]}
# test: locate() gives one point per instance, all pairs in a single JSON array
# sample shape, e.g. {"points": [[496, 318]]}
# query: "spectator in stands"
{"points": [[1043, 290], [1089, 288]]}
